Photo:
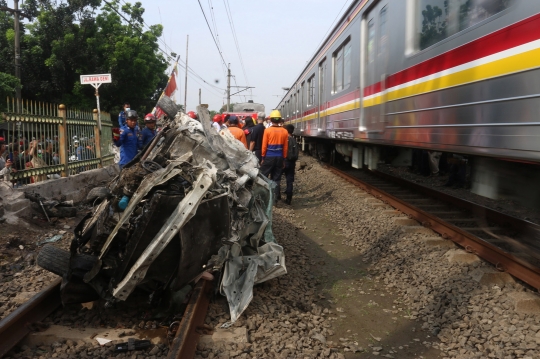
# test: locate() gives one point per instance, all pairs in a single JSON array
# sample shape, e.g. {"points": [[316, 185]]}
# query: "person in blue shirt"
{"points": [[129, 141], [149, 132], [122, 115], [78, 150]]}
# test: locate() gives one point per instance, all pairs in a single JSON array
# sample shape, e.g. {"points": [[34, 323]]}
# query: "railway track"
{"points": [[18, 324], [507, 242]]}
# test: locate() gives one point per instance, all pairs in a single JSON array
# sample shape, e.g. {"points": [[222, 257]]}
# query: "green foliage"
{"points": [[75, 37], [8, 84]]}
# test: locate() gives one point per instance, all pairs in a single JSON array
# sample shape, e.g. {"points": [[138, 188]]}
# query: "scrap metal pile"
{"points": [[192, 201]]}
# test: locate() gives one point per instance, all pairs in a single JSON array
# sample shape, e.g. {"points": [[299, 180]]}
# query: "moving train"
{"points": [[460, 76]]}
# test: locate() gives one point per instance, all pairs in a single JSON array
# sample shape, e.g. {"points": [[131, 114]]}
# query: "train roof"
{"points": [[329, 37]]}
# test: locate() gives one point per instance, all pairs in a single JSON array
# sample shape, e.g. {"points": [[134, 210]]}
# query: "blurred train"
{"points": [[460, 76], [245, 109]]}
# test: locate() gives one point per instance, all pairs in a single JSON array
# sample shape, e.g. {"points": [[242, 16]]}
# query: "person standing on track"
{"points": [[274, 150], [290, 163], [237, 132], [256, 138]]}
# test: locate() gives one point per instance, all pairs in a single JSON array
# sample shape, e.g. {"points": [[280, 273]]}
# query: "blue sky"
{"points": [[276, 38]]}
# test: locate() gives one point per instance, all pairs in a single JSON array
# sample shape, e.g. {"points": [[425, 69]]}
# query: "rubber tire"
{"points": [[54, 259], [168, 106]]}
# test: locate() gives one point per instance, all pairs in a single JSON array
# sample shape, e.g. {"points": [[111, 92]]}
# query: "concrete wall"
{"points": [[75, 187]]}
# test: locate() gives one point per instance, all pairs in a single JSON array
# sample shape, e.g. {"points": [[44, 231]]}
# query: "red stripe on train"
{"points": [[353, 95], [506, 38]]}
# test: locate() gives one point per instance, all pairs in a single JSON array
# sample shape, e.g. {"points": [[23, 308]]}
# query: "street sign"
{"points": [[96, 79]]}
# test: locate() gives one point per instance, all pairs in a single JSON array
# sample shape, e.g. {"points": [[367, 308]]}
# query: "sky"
{"points": [[276, 38]]}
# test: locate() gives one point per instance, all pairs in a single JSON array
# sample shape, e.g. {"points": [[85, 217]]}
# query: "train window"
{"points": [[342, 66], [439, 19], [302, 97], [322, 70], [383, 32], [311, 90], [371, 41]]}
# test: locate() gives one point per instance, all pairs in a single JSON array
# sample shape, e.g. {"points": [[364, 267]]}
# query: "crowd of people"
{"points": [[270, 141], [20, 153], [268, 138]]}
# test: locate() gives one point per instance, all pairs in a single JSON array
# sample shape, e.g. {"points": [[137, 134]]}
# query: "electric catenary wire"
{"points": [[330, 28], [229, 15], [191, 72], [213, 37], [214, 24]]}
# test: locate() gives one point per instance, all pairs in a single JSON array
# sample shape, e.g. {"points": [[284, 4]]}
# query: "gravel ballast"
{"points": [[290, 317], [358, 286]]}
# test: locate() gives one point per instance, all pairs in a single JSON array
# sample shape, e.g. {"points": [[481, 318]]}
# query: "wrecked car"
{"points": [[192, 201]]}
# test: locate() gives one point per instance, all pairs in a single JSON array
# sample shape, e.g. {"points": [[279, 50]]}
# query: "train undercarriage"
{"points": [[491, 177]]}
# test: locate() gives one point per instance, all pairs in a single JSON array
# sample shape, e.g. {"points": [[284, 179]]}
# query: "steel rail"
{"points": [[187, 336], [17, 325], [502, 260]]}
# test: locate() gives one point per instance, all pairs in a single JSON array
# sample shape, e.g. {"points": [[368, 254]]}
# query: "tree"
{"points": [[8, 84], [7, 55], [71, 38]]}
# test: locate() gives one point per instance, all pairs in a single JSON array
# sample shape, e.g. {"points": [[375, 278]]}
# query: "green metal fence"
{"points": [[46, 140]]}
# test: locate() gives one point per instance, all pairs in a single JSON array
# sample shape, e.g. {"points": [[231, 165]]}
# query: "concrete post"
{"points": [[63, 140], [97, 139]]}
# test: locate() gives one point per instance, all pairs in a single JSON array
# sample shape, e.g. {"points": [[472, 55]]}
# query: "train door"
{"points": [[321, 105], [376, 67], [297, 109], [302, 105]]}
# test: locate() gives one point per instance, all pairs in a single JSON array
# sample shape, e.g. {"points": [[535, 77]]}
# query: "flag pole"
{"points": [[164, 89]]}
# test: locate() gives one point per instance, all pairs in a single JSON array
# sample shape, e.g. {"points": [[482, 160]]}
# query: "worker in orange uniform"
{"points": [[236, 131], [274, 150]]}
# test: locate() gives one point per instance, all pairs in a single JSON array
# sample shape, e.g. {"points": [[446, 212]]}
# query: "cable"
{"points": [[330, 28], [229, 16], [190, 71], [213, 37], [214, 24]]}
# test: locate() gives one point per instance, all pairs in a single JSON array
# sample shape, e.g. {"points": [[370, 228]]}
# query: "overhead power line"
{"points": [[181, 63], [231, 23], [213, 37], [330, 28]]}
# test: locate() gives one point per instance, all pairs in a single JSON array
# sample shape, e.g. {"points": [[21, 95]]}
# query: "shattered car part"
{"points": [[191, 201]]}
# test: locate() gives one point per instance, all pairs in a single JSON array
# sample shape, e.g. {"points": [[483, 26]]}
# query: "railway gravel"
{"points": [[390, 281], [437, 307], [20, 277]]}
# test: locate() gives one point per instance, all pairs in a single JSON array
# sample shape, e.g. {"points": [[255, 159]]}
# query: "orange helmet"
{"points": [[192, 114], [218, 118]]}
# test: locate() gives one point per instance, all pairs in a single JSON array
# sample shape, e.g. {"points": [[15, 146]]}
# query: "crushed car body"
{"points": [[192, 201]]}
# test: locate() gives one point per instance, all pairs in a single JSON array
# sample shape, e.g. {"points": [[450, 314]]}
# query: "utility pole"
{"points": [[228, 87], [17, 48], [17, 14], [185, 90], [199, 96]]}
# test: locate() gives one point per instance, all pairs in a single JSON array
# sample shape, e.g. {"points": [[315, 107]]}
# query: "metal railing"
{"points": [[46, 140]]}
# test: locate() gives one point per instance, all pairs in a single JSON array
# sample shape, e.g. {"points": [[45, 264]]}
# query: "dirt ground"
{"points": [[366, 312], [20, 242]]}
